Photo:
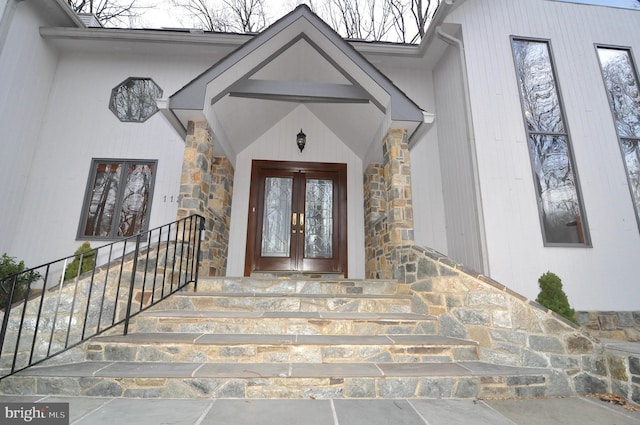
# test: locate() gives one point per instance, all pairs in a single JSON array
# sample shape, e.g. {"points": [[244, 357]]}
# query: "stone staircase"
{"points": [[280, 337]]}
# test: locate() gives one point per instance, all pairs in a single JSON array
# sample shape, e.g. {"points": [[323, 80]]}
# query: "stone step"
{"points": [[256, 348], [282, 322], [251, 301], [299, 285], [200, 380]]}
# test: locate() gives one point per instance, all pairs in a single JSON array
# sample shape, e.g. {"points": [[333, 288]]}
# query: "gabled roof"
{"points": [[297, 60]]}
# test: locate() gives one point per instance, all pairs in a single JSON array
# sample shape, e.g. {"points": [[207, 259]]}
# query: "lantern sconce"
{"points": [[301, 140]]}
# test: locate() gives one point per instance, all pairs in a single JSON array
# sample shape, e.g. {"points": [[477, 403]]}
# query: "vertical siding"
{"points": [[461, 212], [279, 144], [426, 179], [6, 13], [428, 203], [601, 277], [79, 126], [27, 68]]}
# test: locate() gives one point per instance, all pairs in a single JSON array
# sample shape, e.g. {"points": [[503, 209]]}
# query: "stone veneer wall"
{"points": [[623, 358], [623, 325], [206, 188], [625, 371], [510, 329], [388, 205]]}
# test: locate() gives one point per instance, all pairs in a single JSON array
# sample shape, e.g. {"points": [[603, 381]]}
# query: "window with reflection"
{"points": [[621, 82], [559, 200], [118, 199], [134, 100]]}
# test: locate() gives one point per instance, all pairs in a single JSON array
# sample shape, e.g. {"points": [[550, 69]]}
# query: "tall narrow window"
{"points": [[621, 82], [118, 199], [559, 202]]}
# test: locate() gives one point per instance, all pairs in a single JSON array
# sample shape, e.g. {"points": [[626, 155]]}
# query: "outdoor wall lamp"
{"points": [[301, 140]]}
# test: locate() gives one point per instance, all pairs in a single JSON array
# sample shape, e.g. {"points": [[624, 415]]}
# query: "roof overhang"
{"points": [[58, 13], [297, 60]]}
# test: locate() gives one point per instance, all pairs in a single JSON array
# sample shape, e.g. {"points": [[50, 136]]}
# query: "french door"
{"points": [[297, 218]]}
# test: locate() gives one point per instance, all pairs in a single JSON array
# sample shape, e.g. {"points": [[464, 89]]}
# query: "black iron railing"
{"points": [[48, 311]]}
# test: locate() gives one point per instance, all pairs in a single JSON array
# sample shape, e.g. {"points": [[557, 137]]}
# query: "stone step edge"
{"points": [[166, 370], [297, 285], [197, 338], [310, 315], [291, 295], [295, 278], [260, 381]]}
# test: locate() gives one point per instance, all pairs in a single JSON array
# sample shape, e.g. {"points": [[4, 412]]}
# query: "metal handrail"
{"points": [[68, 311]]}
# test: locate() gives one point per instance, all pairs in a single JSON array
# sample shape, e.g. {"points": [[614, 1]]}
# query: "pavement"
{"points": [[121, 411]]}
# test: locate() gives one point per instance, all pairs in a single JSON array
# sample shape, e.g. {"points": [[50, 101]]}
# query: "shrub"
{"points": [[88, 261], [553, 297], [9, 267]]}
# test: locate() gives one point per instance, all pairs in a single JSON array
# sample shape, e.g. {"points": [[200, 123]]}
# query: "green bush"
{"points": [[88, 261], [9, 267], [553, 297]]}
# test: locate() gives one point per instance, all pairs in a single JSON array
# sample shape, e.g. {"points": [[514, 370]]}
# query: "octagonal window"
{"points": [[134, 100]]}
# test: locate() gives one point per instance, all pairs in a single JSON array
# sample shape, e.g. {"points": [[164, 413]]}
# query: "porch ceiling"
{"points": [[243, 120], [298, 60]]}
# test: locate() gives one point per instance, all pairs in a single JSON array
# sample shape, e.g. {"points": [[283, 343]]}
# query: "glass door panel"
{"points": [[276, 226], [318, 216]]}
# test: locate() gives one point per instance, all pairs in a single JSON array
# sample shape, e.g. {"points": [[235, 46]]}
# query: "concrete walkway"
{"points": [[565, 411]]}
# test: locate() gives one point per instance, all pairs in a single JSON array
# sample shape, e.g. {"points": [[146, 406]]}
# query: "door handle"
{"points": [[294, 222]]}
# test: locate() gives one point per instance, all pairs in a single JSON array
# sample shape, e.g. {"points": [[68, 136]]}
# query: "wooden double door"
{"points": [[297, 217]]}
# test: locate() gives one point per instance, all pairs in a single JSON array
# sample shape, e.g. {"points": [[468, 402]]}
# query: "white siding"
{"points": [[279, 144], [6, 13], [604, 276], [415, 79], [428, 203], [27, 68], [78, 127], [460, 205]]}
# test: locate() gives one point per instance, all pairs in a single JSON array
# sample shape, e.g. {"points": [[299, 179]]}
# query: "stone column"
{"points": [[388, 208], [195, 181], [375, 222], [220, 208], [205, 189], [397, 176]]}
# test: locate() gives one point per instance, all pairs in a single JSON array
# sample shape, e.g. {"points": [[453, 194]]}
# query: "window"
{"points": [[559, 202], [621, 83], [134, 100], [118, 199]]}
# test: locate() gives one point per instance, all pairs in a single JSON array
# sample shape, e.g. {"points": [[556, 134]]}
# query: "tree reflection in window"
{"points": [[549, 147], [276, 229], [621, 82], [119, 198], [318, 242], [134, 100]]}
